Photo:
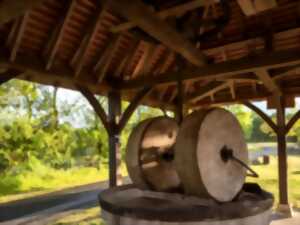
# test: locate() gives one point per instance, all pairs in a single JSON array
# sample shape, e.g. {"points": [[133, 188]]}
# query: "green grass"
{"points": [[269, 178], [44, 180], [31, 184]]}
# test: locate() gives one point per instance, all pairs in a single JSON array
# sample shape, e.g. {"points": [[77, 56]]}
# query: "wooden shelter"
{"points": [[172, 54]]}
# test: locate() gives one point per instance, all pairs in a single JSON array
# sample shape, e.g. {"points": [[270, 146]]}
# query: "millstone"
{"points": [[202, 137], [149, 156]]}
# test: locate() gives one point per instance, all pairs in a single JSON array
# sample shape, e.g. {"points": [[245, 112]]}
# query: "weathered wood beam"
{"points": [[19, 34], [139, 13], [10, 10], [8, 75], [290, 72], [96, 106], [173, 11], [292, 122], [58, 39], [206, 91], [35, 70], [143, 66], [264, 116], [269, 83], [88, 39], [282, 154], [232, 89], [179, 114], [222, 70], [114, 111], [132, 107], [103, 65]]}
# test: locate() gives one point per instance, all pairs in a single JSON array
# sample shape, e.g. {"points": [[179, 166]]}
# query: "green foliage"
{"points": [[245, 118]]}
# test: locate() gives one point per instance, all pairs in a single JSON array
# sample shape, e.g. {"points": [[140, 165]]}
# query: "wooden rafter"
{"points": [[264, 116], [17, 40], [174, 11], [207, 91], [10, 10], [290, 72], [292, 121], [103, 65], [13, 32], [132, 107], [221, 70], [35, 67], [128, 57], [269, 83], [143, 66], [58, 39], [96, 106], [140, 14], [232, 89], [88, 39]]}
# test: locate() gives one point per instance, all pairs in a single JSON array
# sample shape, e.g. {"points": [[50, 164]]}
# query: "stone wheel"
{"points": [[203, 170], [150, 154]]}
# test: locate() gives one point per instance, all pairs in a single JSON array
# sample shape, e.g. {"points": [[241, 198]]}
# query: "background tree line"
{"points": [[35, 125]]}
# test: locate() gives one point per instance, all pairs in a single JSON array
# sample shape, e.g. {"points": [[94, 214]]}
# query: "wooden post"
{"points": [[179, 114], [114, 111], [282, 156]]}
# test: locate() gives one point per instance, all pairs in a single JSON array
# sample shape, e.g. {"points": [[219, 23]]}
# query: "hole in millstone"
{"points": [[168, 156], [226, 153]]}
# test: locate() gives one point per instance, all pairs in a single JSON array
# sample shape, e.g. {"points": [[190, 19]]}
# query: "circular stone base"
{"points": [[129, 205]]}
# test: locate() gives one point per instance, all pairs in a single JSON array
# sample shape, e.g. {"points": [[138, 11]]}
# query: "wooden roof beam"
{"points": [[35, 71], [104, 62], [87, 41], [173, 11], [143, 66], [139, 13], [222, 70], [10, 10], [206, 91], [269, 83], [57, 40], [18, 38]]}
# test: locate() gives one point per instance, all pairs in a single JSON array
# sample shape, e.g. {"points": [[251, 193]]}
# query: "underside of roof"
{"points": [[221, 51]]}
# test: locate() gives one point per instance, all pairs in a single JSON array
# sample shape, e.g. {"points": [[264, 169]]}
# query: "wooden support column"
{"points": [[114, 123], [280, 130], [179, 114], [282, 154], [114, 112]]}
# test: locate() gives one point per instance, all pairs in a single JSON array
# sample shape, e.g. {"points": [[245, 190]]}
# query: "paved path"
{"points": [[290, 221], [27, 210]]}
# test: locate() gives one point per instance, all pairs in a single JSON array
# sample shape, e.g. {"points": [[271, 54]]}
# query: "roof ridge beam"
{"points": [[139, 13]]}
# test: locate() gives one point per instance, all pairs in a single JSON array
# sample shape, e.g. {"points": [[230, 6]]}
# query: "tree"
{"points": [[245, 118]]}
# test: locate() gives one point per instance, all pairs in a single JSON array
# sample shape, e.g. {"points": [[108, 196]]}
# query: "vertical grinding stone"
{"points": [[198, 160], [149, 154]]}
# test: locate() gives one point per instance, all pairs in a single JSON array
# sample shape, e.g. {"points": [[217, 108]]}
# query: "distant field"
{"points": [[260, 146], [45, 180], [269, 178]]}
